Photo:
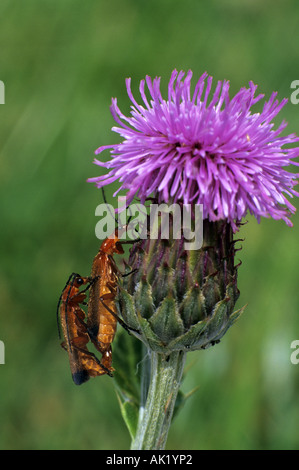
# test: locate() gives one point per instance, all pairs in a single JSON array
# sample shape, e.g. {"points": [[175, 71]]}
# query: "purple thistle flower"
{"points": [[204, 149]]}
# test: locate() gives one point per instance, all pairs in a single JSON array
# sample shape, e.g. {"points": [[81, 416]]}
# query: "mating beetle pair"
{"points": [[102, 316]]}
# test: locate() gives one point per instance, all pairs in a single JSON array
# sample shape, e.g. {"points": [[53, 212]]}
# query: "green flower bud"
{"points": [[179, 299]]}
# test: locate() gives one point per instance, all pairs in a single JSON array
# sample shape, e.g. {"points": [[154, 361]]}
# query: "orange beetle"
{"points": [[102, 317], [83, 363]]}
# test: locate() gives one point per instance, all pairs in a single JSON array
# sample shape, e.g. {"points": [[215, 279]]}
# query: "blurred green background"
{"points": [[61, 62]]}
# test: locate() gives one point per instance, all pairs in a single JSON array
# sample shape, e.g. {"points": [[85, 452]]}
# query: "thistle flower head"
{"points": [[205, 148]]}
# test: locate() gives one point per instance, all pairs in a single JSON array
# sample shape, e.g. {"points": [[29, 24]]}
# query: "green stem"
{"points": [[155, 417]]}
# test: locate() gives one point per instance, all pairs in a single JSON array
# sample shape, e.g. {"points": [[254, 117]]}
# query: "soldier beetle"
{"points": [[83, 363], [102, 316]]}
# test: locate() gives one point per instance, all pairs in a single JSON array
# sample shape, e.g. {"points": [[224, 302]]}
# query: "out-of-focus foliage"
{"points": [[61, 62]]}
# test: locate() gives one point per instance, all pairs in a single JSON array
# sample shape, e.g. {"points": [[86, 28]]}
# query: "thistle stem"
{"points": [[155, 417]]}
